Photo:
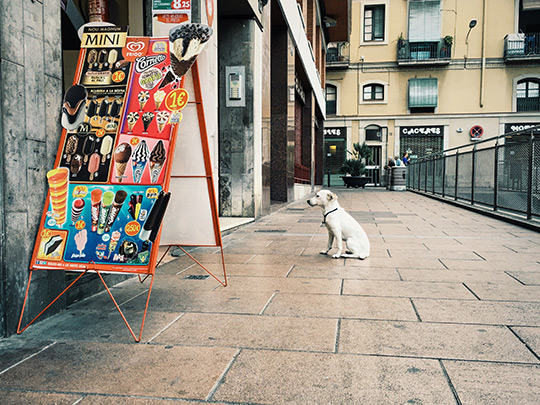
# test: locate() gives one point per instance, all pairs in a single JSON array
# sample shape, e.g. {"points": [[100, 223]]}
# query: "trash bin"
{"points": [[398, 181]]}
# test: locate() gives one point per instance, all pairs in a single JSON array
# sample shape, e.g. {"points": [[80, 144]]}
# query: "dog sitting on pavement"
{"points": [[341, 226]]}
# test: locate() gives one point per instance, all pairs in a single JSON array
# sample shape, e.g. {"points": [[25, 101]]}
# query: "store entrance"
{"points": [[418, 146], [374, 166], [335, 152]]}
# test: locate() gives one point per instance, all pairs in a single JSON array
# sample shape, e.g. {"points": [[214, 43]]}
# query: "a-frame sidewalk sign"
{"points": [[111, 182]]}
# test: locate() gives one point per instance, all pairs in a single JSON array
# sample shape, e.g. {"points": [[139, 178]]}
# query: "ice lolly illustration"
{"points": [[91, 58], [93, 165], [95, 198], [157, 158], [116, 106], [103, 109], [147, 118], [139, 159], [80, 240], [113, 55], [102, 58], [58, 180], [162, 118], [106, 204], [143, 97], [71, 146], [76, 163], [187, 41], [88, 147], [121, 157], [106, 147], [159, 96], [115, 237], [77, 208], [119, 199], [91, 111], [132, 119]]}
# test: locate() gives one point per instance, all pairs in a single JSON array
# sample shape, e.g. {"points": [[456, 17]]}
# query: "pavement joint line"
{"points": [[222, 376], [479, 255], [187, 268], [251, 258], [525, 343], [267, 303], [472, 292], [399, 275], [130, 299], [449, 382], [290, 270], [445, 266], [79, 400], [269, 243], [341, 286], [27, 358], [509, 248], [166, 327], [415, 310]]}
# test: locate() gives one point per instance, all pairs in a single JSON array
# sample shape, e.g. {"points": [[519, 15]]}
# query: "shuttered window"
{"points": [[374, 23], [424, 20], [423, 92]]}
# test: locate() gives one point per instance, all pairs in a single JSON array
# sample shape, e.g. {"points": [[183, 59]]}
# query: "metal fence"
{"points": [[501, 173]]}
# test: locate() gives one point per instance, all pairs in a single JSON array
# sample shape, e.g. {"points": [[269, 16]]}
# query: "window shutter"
{"points": [[378, 22], [424, 20], [529, 5], [423, 92]]}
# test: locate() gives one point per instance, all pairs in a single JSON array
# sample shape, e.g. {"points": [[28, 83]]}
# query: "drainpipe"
{"points": [[483, 70]]}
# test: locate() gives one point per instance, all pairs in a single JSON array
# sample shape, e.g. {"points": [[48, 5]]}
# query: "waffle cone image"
{"points": [[155, 171], [120, 170]]}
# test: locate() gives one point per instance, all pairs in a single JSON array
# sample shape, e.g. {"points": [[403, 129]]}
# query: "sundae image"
{"points": [[58, 187], [71, 146], [157, 158], [121, 157], [187, 41], [143, 97], [132, 119], [74, 107], [139, 159], [159, 96], [147, 118], [162, 117]]}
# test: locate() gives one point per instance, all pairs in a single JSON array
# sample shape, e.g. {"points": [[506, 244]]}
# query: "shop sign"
{"points": [[335, 132], [521, 127], [104, 37], [436, 130], [174, 5]]}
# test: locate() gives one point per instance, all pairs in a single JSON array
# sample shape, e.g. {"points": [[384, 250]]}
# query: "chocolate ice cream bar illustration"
{"points": [[52, 244], [76, 163], [143, 97], [139, 159], [169, 78], [121, 157], [103, 109], [138, 206], [102, 58], [115, 237], [132, 119], [76, 209], [187, 41], [162, 118], [91, 111], [159, 96], [157, 158], [147, 118], [88, 147], [119, 199], [152, 224], [106, 147], [71, 146], [95, 198], [74, 107], [93, 165], [91, 58], [132, 204], [116, 106], [106, 204]]}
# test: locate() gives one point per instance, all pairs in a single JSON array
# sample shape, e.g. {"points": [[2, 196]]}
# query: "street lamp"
{"points": [[472, 24]]}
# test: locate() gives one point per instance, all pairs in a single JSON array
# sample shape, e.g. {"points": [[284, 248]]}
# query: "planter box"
{"points": [[354, 181]]}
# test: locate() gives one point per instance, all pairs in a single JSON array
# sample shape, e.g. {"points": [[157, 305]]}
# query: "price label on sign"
{"points": [[177, 99], [132, 228], [181, 4], [118, 76]]}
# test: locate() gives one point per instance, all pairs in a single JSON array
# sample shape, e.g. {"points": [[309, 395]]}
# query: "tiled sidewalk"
{"points": [[446, 310]]}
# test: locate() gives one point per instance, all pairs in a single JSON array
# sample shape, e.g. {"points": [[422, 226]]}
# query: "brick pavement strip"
{"points": [[445, 311]]}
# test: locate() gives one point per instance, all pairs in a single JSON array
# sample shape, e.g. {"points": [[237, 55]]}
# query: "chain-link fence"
{"points": [[502, 173]]}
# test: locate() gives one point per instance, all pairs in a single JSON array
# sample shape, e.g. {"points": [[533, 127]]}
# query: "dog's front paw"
{"points": [[324, 252], [336, 256]]}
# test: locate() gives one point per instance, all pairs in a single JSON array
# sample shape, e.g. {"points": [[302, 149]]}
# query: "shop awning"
{"points": [[423, 92]]}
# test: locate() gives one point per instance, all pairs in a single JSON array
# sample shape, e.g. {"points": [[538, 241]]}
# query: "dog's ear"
{"points": [[331, 197]]}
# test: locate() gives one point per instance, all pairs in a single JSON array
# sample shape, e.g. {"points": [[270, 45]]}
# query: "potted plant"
{"points": [[355, 167], [402, 52], [445, 50]]}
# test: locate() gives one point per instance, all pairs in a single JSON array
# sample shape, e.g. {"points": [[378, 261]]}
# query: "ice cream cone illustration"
{"points": [[159, 96], [187, 41], [147, 118], [58, 180], [143, 97], [132, 119], [121, 157], [162, 118], [157, 158], [139, 159]]}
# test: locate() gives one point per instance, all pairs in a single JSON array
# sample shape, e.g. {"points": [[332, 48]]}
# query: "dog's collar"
{"points": [[328, 213]]}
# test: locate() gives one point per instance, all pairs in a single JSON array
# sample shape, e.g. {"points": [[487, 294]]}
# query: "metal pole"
{"points": [[529, 180], [456, 179], [473, 173], [443, 175], [496, 177], [328, 177]]}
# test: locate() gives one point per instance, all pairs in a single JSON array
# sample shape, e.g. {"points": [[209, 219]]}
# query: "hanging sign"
{"points": [[169, 13]]}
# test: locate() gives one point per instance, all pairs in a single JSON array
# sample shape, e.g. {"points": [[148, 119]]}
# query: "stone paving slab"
{"points": [[337, 272], [286, 285], [38, 398]]}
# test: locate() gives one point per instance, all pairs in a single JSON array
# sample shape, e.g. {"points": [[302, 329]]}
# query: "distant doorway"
{"points": [[374, 167], [335, 152]]}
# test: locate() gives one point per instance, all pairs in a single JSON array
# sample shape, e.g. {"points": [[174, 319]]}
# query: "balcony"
{"points": [[522, 47], [337, 54], [424, 53]]}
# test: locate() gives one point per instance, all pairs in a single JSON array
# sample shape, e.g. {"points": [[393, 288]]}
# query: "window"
{"points": [[373, 133], [374, 23], [373, 92], [528, 95], [423, 94], [331, 99], [424, 20]]}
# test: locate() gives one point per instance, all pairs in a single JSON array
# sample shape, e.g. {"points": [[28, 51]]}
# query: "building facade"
{"points": [[420, 76]]}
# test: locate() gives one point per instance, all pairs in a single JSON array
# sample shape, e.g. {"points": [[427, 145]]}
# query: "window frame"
{"points": [[327, 85], [517, 80], [384, 86], [370, 4], [373, 92]]}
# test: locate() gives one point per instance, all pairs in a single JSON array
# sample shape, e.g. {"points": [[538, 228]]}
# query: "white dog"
{"points": [[342, 226]]}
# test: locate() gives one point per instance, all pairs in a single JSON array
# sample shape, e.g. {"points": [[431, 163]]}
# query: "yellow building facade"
{"points": [[420, 76]]}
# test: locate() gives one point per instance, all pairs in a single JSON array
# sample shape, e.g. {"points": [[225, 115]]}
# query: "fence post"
{"points": [[433, 180], [473, 173], [456, 179], [529, 180], [496, 176]]}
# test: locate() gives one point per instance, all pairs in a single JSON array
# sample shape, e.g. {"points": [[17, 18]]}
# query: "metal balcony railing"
{"points": [[522, 46], [500, 173], [432, 52], [337, 53]]}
